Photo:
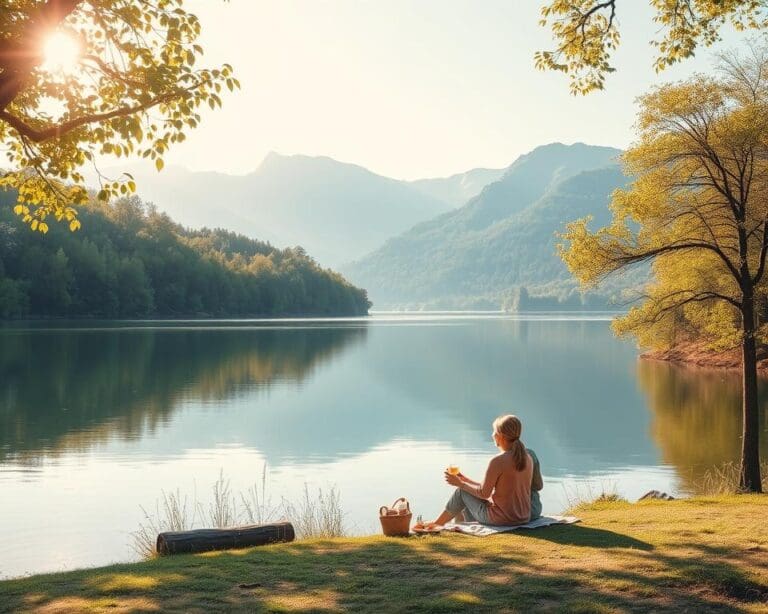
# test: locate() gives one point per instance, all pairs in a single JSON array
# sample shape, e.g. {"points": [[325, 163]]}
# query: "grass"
{"points": [[697, 555]]}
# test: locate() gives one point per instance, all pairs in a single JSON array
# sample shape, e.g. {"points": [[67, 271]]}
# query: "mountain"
{"points": [[337, 212], [457, 189], [482, 253]]}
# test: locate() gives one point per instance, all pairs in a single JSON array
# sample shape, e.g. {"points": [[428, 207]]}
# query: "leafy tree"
{"points": [[698, 209], [134, 293], [586, 33], [133, 87]]}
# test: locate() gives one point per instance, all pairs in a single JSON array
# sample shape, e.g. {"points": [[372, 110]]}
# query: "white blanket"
{"points": [[483, 530]]}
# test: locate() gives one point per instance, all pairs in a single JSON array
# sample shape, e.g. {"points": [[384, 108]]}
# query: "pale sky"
{"points": [[406, 88]]}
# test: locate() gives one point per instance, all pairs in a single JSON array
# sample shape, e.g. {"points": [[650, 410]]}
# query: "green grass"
{"points": [[699, 555]]}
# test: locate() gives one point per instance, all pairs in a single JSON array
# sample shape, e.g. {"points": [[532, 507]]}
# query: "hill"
{"points": [[131, 261], [337, 212], [481, 254]]}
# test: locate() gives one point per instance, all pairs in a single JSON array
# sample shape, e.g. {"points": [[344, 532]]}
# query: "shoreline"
{"points": [[696, 355]]}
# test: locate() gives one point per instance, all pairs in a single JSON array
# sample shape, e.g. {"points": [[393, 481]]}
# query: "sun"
{"points": [[61, 53]]}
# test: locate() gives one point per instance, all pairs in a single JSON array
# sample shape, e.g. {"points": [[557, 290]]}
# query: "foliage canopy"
{"points": [[586, 33], [134, 87]]}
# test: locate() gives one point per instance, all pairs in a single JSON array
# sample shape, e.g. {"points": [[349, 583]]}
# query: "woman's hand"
{"points": [[453, 480], [465, 480]]}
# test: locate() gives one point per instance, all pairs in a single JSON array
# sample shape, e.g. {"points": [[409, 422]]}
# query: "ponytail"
{"points": [[510, 428]]}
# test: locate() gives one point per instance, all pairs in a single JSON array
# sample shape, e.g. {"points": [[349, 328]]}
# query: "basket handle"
{"points": [[383, 510], [407, 505]]}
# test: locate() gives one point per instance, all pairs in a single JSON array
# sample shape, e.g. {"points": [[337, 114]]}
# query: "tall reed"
{"points": [[171, 514], [318, 515]]}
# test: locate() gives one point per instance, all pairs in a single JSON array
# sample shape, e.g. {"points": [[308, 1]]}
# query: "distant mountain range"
{"points": [[337, 212], [481, 254], [457, 189], [472, 240]]}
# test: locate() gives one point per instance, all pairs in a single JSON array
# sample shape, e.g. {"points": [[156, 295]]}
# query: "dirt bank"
{"points": [[697, 354]]}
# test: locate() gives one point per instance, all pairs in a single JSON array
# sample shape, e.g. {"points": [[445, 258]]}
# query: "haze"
{"points": [[406, 89]]}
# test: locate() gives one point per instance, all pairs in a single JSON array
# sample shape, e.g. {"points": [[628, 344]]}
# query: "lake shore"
{"points": [[698, 355], [702, 555]]}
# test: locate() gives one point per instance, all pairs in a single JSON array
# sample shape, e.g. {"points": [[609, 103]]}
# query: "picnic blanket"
{"points": [[483, 530]]}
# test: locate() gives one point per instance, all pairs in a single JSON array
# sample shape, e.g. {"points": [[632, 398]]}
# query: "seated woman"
{"points": [[504, 496]]}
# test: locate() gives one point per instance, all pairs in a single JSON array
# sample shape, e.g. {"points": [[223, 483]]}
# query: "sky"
{"points": [[407, 88]]}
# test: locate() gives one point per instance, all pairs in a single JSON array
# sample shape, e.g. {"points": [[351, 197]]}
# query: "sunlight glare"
{"points": [[61, 52]]}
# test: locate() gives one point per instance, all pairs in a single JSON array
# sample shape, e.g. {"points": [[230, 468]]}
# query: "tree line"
{"points": [[135, 262]]}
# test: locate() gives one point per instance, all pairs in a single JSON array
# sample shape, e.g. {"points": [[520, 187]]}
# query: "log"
{"points": [[205, 540]]}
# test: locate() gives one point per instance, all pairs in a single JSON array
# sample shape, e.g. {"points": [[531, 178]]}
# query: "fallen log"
{"points": [[204, 540]]}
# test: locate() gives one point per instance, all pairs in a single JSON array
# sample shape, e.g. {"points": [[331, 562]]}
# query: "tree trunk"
{"points": [[204, 540], [749, 478]]}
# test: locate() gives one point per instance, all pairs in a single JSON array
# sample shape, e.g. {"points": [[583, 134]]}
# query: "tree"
{"points": [[81, 78], [133, 289], [698, 209], [586, 33]]}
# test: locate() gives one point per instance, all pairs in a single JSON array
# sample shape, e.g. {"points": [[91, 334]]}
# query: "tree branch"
{"points": [[675, 247], [39, 135], [763, 250]]}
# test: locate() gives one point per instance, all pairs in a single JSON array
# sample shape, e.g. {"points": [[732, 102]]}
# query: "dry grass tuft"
{"points": [[724, 480], [586, 494]]}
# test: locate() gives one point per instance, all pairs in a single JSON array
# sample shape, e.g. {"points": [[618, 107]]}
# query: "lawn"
{"points": [[699, 555]]}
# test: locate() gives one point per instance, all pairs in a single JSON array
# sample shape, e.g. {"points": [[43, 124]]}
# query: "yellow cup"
{"points": [[453, 469]]}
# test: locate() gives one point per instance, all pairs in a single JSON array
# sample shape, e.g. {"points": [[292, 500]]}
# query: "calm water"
{"points": [[96, 421]]}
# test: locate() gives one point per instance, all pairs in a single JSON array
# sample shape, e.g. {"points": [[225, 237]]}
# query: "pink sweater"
{"points": [[507, 490]]}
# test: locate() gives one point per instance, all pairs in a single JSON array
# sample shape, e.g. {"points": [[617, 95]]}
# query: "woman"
{"points": [[504, 496]]}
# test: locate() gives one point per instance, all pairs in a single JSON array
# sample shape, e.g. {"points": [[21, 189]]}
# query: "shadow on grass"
{"points": [[437, 574], [588, 537]]}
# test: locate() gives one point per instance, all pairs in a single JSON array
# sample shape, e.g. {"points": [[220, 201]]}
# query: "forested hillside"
{"points": [[131, 261], [501, 245]]}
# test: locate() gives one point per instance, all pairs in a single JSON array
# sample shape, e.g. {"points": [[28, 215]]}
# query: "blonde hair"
{"points": [[510, 428]]}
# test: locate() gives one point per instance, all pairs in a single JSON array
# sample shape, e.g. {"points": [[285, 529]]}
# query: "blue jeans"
{"points": [[471, 507]]}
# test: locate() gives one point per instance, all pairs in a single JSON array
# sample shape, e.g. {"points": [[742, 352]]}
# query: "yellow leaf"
{"points": [[159, 164]]}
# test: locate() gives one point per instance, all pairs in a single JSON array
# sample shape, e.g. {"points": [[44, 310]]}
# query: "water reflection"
{"points": [[697, 417], [571, 382], [70, 390]]}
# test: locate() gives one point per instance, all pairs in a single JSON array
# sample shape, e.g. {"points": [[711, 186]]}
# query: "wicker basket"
{"points": [[394, 523]]}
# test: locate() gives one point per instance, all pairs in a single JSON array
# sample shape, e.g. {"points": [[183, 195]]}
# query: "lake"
{"points": [[98, 419]]}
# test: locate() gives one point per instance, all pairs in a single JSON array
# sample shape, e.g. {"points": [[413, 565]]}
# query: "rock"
{"points": [[657, 494]]}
